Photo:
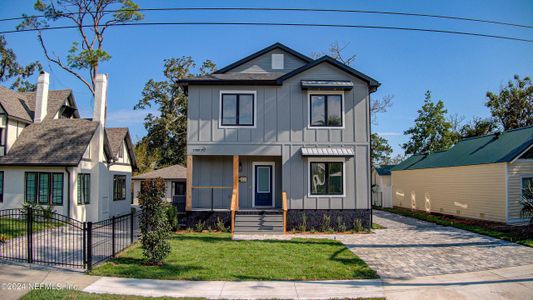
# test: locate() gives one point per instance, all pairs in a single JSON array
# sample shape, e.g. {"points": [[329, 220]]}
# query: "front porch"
{"points": [[244, 189]]}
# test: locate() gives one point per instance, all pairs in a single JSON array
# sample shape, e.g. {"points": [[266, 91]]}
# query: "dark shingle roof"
{"points": [[115, 138], [60, 142], [14, 104], [56, 99], [384, 170], [172, 172], [493, 148]]}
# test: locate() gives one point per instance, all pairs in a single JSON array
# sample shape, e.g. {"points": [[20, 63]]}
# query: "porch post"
{"points": [[236, 179], [188, 197]]}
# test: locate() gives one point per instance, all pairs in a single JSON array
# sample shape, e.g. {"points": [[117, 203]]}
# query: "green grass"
{"points": [[516, 236], [377, 226], [217, 257], [45, 294], [12, 228]]}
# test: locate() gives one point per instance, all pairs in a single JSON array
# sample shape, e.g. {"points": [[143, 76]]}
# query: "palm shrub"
{"points": [[326, 223], [527, 202], [155, 228], [303, 226]]}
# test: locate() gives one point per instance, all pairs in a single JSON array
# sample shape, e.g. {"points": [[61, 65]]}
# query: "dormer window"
{"points": [[237, 109], [325, 110], [277, 62]]}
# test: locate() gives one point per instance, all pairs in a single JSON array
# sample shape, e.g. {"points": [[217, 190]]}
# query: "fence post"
{"points": [[84, 245], [89, 246], [131, 228], [29, 233], [113, 236]]}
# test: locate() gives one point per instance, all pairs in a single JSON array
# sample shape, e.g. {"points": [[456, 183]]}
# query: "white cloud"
{"points": [[125, 117]]}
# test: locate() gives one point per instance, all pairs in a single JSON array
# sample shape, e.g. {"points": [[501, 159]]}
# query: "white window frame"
{"points": [[326, 159], [319, 92], [220, 108], [264, 163]]}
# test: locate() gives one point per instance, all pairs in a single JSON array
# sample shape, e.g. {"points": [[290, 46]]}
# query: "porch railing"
{"points": [[284, 203]]}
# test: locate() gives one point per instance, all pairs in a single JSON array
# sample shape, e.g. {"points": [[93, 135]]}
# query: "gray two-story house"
{"points": [[277, 136]]}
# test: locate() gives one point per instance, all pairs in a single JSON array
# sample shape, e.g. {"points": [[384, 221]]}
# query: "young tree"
{"points": [[432, 131], [381, 150], [11, 69], [146, 160], [92, 18], [155, 229], [167, 132], [513, 106]]}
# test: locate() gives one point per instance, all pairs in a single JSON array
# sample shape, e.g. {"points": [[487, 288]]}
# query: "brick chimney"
{"points": [[41, 97]]}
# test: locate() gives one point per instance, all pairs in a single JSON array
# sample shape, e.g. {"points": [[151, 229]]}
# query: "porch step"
{"points": [[258, 223]]}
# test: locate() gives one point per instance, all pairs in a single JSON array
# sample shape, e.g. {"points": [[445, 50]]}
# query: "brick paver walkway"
{"points": [[410, 248]]}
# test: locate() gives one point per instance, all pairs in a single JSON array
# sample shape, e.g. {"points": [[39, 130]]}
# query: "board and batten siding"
{"points": [[263, 63], [516, 171], [477, 191]]}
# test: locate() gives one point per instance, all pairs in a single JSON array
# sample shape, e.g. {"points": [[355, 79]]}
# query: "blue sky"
{"points": [[457, 69]]}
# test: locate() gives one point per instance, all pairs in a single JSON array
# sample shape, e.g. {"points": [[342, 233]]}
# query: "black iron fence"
{"points": [[45, 237]]}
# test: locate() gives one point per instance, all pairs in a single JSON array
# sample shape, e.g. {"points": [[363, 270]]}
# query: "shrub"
{"points": [[527, 203], [303, 226], [326, 223], [172, 216], [3, 238], [199, 227], [341, 226], [155, 229], [221, 226], [358, 225]]}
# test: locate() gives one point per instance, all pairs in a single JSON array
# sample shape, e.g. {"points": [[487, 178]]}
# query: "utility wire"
{"points": [[299, 9], [464, 33]]}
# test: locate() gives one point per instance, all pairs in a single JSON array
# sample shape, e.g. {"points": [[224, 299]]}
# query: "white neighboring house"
{"points": [[48, 155], [382, 186], [175, 183]]}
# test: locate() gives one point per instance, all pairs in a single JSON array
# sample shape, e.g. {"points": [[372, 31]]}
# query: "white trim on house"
{"points": [[326, 159], [319, 92], [265, 163], [220, 109], [522, 153]]}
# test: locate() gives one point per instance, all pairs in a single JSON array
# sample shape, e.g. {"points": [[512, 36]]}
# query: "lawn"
{"points": [[215, 256], [12, 228], [518, 234]]}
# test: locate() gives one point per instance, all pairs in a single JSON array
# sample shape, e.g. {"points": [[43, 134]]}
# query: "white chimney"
{"points": [[100, 99], [41, 97]]}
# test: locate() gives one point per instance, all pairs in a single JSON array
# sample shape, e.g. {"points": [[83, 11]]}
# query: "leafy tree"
{"points": [[92, 18], [154, 225], [478, 126], [513, 105], [167, 132], [146, 161], [381, 150], [432, 131], [11, 69]]}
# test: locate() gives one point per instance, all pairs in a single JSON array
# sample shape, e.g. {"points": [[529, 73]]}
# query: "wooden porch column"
{"points": [[236, 179], [188, 198]]}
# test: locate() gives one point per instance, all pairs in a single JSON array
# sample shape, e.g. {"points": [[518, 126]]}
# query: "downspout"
{"points": [[370, 156], [68, 194]]}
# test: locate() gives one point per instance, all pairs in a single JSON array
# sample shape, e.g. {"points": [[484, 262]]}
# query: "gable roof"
{"points": [[172, 172], [14, 104], [116, 138], [261, 52], [56, 100], [59, 142], [492, 148], [384, 170]]}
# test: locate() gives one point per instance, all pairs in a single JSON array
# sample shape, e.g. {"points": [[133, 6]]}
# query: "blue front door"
{"points": [[263, 185]]}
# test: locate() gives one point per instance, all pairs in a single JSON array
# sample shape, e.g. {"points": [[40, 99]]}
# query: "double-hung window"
{"points": [[326, 178], [237, 109], [119, 187], [527, 188], [1, 186], [44, 188], [84, 188], [325, 110]]}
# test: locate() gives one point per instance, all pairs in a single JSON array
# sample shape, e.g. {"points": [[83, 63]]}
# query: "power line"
{"points": [[299, 9], [464, 33]]}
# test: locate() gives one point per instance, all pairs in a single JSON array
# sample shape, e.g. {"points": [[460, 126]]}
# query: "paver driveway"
{"points": [[412, 248]]}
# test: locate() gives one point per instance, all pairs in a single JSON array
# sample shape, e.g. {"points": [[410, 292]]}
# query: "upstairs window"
{"points": [[325, 110], [237, 109]]}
